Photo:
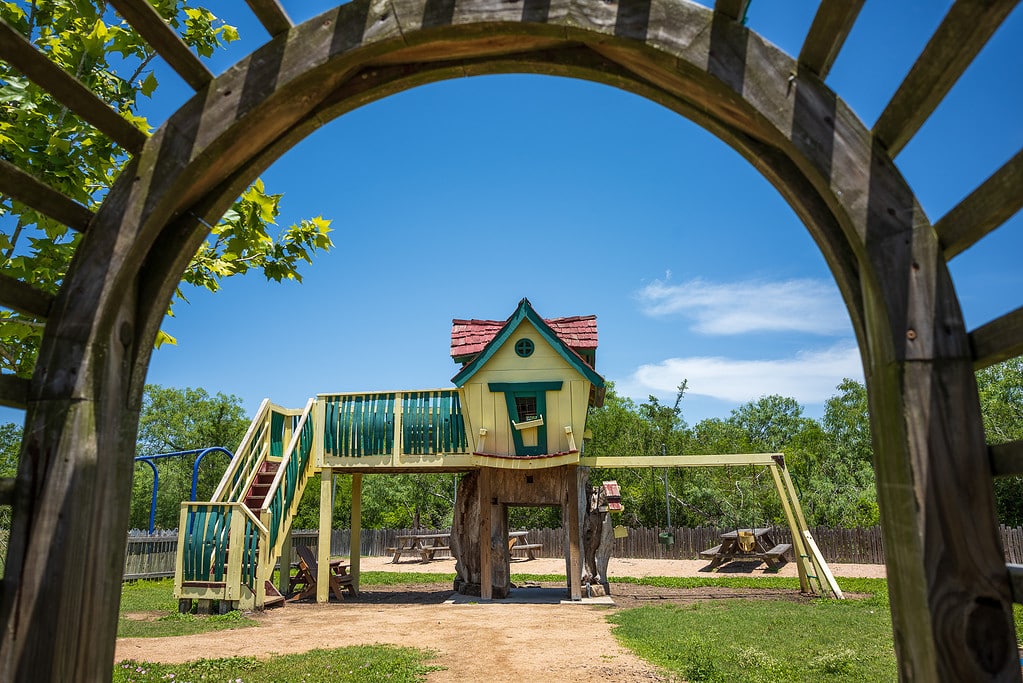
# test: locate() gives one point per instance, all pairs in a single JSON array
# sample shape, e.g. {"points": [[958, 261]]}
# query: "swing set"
{"points": [[752, 542]]}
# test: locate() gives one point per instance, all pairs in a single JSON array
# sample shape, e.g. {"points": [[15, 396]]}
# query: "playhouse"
{"points": [[513, 425]]}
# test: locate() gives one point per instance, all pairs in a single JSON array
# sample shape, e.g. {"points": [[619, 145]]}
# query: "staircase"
{"points": [[229, 547], [260, 488]]}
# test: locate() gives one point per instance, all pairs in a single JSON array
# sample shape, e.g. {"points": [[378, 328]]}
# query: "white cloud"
{"points": [[804, 305], [810, 377]]}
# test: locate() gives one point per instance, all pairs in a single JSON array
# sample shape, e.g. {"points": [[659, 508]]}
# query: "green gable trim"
{"points": [[505, 387], [537, 390], [525, 312]]}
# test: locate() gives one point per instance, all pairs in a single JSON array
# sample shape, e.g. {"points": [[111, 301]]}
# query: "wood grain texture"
{"points": [[22, 55], [26, 189], [996, 200], [733, 9], [24, 298], [13, 391], [271, 15], [1006, 459], [966, 28], [885, 257], [151, 26], [830, 28], [998, 340]]}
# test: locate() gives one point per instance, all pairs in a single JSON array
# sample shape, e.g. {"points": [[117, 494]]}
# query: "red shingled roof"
{"points": [[469, 337]]}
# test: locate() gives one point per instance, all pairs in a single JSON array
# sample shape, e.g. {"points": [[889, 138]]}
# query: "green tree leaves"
{"points": [[180, 420], [44, 138]]}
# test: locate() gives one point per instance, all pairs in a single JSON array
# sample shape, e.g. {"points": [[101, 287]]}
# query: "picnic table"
{"points": [[517, 542], [746, 544], [425, 545]]}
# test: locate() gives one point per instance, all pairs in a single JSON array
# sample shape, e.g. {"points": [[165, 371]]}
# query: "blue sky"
{"points": [[457, 199]]}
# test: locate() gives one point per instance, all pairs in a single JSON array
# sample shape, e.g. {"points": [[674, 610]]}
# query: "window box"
{"points": [[528, 424]]}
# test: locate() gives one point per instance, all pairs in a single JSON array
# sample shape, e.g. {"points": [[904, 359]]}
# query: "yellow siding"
{"points": [[564, 408]]}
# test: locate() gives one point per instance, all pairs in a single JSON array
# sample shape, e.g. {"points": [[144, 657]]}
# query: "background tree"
{"points": [[1001, 405], [44, 138], [180, 420], [10, 444]]}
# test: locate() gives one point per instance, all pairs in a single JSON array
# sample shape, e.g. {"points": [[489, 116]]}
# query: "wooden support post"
{"points": [[355, 542], [798, 545], [486, 551], [821, 569], [233, 573], [264, 570], [323, 556], [284, 563], [573, 520]]}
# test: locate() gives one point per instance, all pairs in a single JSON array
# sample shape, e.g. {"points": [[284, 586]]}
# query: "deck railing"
{"points": [[288, 484], [426, 422], [224, 546], [265, 438], [210, 531]]}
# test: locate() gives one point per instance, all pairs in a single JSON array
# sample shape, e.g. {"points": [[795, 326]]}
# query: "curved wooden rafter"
{"points": [[271, 15], [24, 298], [23, 187], [946, 572], [827, 34], [998, 340], [151, 26], [966, 28], [65, 88], [997, 200]]}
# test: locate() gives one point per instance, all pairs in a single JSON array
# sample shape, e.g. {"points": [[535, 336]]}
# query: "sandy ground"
{"points": [[502, 640]]}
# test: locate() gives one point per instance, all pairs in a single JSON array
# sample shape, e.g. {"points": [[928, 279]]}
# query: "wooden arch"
{"points": [[951, 593]]}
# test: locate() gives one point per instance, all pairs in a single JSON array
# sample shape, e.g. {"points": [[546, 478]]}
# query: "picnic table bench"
{"points": [[425, 545], [517, 542], [303, 582], [746, 544]]}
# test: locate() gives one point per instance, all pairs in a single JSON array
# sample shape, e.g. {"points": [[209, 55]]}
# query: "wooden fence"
{"points": [[153, 556]]}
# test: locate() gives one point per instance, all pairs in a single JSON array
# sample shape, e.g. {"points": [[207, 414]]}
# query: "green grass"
{"points": [[765, 640], [155, 598], [357, 663]]}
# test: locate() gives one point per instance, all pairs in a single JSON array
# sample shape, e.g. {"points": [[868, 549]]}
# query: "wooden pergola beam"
{"points": [[996, 200], [1006, 459], [24, 298], [733, 9], [13, 391], [827, 34], [271, 15], [151, 26], [26, 189], [966, 28], [998, 340], [17, 51]]}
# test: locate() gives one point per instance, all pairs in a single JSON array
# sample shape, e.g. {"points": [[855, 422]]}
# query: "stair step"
{"points": [[273, 596]]}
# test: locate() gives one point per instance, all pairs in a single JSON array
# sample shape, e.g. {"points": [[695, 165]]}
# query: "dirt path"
{"points": [[496, 641]]}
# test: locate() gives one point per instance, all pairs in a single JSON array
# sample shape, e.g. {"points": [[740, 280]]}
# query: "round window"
{"points": [[524, 347]]}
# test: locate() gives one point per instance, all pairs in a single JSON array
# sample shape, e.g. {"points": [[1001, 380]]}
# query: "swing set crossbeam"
{"points": [[661, 461], [809, 559]]}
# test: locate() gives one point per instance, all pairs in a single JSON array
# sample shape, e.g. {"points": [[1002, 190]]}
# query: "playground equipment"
{"points": [[947, 575], [510, 425], [199, 454]]}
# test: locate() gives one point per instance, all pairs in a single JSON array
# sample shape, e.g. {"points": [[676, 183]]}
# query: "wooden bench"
{"points": [[775, 553], [528, 547], [711, 553]]}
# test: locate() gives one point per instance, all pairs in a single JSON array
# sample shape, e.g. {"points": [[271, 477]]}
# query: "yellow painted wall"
{"points": [[564, 408]]}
